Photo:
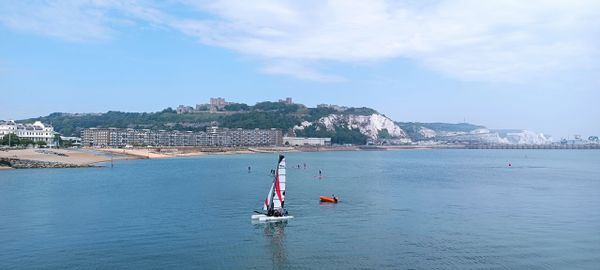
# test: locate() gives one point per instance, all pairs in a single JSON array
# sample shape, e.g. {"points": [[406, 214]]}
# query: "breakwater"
{"points": [[31, 164]]}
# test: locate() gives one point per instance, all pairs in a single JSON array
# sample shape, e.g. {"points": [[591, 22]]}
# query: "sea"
{"points": [[412, 209]]}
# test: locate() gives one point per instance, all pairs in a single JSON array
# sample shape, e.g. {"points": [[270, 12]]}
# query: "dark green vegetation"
{"points": [[342, 135], [262, 115], [14, 140]]}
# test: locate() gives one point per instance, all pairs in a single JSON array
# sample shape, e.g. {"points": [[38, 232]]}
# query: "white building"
{"points": [[300, 141], [36, 132]]}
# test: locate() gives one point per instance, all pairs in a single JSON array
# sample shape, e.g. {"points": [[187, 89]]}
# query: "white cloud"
{"points": [[70, 20], [299, 70], [470, 40]]}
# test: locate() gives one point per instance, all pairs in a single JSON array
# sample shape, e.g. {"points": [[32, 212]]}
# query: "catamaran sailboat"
{"points": [[274, 205]]}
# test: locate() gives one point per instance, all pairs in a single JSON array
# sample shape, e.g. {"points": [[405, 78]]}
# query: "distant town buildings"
{"points": [[37, 132], [213, 136], [300, 141]]}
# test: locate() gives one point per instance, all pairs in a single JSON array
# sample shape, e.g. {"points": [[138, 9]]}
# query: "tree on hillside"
{"points": [[168, 110], [384, 134], [237, 107]]}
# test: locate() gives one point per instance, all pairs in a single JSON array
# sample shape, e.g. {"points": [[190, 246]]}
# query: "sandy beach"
{"points": [[92, 156], [67, 156]]}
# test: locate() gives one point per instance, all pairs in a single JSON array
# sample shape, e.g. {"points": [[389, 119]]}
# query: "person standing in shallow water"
{"points": [[249, 168]]}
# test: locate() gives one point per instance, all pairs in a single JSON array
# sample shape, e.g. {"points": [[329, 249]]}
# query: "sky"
{"points": [[502, 64]]}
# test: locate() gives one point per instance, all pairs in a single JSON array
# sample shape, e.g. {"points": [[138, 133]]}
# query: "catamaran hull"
{"points": [[266, 218]]}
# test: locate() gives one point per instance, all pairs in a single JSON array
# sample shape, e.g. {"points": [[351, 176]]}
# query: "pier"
{"points": [[532, 146]]}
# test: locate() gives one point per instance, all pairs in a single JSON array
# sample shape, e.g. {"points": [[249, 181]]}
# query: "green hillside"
{"points": [[262, 115]]}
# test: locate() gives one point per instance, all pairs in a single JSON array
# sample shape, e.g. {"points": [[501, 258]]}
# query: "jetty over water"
{"points": [[532, 146]]}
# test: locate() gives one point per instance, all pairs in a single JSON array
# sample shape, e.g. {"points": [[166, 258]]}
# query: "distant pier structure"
{"points": [[533, 146]]}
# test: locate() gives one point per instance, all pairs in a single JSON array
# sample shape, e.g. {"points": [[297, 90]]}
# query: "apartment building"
{"points": [[213, 136]]}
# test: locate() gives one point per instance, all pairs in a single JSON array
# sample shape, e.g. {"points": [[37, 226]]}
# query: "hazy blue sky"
{"points": [[504, 64]]}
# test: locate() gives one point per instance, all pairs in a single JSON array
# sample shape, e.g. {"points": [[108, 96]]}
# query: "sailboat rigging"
{"points": [[274, 204]]}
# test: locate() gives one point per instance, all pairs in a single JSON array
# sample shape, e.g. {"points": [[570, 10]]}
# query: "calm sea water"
{"points": [[438, 209]]}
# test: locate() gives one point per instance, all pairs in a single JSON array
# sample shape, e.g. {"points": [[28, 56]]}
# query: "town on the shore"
{"points": [[379, 132]]}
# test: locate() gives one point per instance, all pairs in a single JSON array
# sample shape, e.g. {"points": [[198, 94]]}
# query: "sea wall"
{"points": [[31, 164]]}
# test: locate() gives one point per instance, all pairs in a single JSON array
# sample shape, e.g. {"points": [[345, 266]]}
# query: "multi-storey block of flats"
{"points": [[213, 136]]}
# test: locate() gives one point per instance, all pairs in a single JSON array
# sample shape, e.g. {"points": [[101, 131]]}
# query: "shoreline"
{"points": [[90, 157], [53, 158]]}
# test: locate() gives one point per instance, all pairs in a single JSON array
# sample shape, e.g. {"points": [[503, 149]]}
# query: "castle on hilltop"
{"points": [[217, 105]]}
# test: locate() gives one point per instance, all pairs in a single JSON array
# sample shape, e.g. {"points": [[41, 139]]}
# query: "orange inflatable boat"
{"points": [[328, 199]]}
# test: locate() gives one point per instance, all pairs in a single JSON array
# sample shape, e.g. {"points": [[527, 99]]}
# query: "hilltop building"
{"points": [[185, 109], [215, 105], [37, 132], [287, 100], [213, 136], [218, 104]]}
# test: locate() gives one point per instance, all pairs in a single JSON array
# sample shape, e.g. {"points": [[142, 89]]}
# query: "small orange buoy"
{"points": [[328, 199]]}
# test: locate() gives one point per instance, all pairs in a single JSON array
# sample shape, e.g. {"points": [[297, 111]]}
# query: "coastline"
{"points": [[53, 158], [90, 157]]}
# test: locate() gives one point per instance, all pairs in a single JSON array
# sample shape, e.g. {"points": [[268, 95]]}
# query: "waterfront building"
{"points": [[213, 136], [98, 137], [300, 141], [37, 132], [75, 141]]}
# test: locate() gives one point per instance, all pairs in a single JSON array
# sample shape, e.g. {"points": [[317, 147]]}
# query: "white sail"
{"points": [[279, 192], [274, 204], [268, 199]]}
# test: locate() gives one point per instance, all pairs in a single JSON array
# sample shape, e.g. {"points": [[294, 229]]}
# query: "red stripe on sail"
{"points": [[277, 188], [267, 202]]}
